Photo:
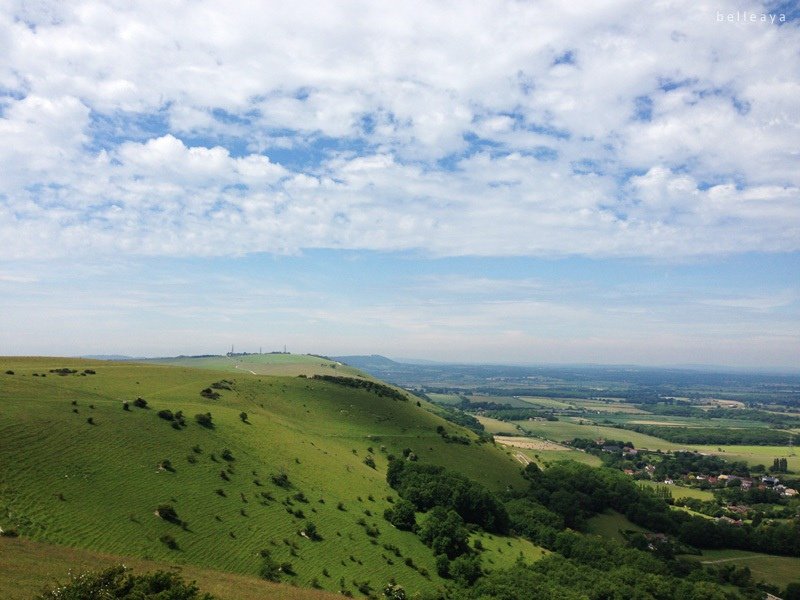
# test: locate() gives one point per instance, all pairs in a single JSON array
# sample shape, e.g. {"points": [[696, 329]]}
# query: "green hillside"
{"points": [[299, 458], [265, 364]]}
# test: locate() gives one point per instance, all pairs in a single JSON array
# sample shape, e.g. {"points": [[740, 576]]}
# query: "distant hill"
{"points": [[109, 357], [372, 361]]}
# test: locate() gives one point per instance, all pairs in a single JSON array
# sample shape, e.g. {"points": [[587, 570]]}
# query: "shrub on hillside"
{"points": [[116, 583], [270, 568], [168, 513], [204, 420], [169, 541], [281, 480], [140, 403], [402, 515]]}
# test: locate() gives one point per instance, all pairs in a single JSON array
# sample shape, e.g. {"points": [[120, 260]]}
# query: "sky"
{"points": [[493, 181]]}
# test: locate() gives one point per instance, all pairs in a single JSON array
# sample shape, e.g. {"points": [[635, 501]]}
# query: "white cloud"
{"points": [[366, 100]]}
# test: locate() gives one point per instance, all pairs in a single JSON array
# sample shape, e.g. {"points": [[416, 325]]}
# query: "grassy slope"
{"points": [[777, 570], [289, 365], [317, 432], [26, 567], [610, 525]]}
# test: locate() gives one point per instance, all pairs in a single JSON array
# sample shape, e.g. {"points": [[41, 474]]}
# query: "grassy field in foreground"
{"points": [[97, 485], [26, 567], [610, 524], [777, 570]]}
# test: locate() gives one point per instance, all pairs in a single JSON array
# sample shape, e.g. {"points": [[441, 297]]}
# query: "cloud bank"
{"points": [[496, 128]]}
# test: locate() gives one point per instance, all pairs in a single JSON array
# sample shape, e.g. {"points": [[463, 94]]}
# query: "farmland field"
{"points": [[679, 491], [650, 419], [777, 570], [608, 407], [755, 455], [565, 431], [548, 402], [495, 426], [444, 398], [543, 452]]}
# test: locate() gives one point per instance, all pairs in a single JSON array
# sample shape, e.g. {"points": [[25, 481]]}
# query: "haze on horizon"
{"points": [[501, 182]]}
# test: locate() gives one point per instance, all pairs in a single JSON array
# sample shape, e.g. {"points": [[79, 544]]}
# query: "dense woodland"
{"points": [[551, 512]]}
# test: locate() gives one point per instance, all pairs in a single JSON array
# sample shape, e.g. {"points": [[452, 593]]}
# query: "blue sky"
{"points": [[504, 182]]}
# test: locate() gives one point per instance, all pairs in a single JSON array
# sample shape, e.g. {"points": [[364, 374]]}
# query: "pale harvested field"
{"points": [[529, 443]]}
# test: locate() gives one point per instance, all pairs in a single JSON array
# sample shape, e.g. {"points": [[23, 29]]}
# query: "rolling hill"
{"points": [[283, 469]]}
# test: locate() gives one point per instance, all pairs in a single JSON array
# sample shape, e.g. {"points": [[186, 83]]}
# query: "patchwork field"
{"points": [[544, 452], [298, 458]]}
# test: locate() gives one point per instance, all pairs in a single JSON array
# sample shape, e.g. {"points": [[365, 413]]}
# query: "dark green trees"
{"points": [[115, 582]]}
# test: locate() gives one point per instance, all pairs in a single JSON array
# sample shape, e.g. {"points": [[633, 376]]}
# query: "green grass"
{"points": [[756, 455], [679, 491], [777, 570], [265, 364], [611, 406], [567, 430], [26, 567], [445, 398], [561, 431], [500, 552], [496, 426], [548, 402], [610, 525], [316, 432], [546, 457], [668, 420]]}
